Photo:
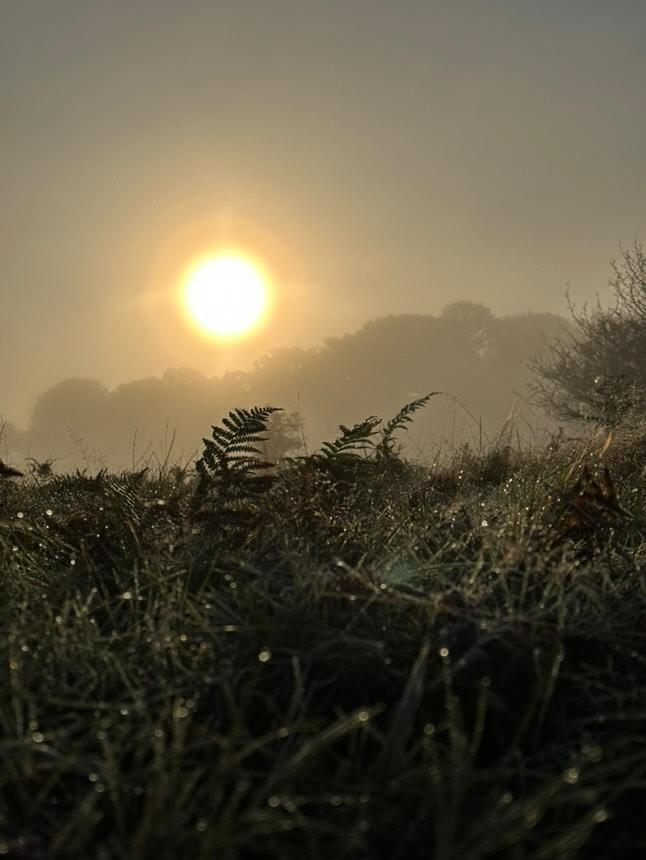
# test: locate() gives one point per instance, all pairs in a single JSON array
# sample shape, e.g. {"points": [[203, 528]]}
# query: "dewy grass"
{"points": [[356, 657]]}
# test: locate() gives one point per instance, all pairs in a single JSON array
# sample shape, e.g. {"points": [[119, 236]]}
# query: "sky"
{"points": [[377, 157]]}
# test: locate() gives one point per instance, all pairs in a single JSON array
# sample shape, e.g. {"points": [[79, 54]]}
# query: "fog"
{"points": [[381, 160], [479, 363]]}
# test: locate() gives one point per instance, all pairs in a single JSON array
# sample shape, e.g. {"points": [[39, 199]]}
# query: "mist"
{"points": [[478, 362], [379, 160]]}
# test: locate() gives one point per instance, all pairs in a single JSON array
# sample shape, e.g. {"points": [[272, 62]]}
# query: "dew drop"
{"points": [[571, 775]]}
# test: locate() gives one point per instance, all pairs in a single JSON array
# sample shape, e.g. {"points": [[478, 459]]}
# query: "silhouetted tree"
{"points": [[72, 413], [598, 373], [472, 315], [466, 351]]}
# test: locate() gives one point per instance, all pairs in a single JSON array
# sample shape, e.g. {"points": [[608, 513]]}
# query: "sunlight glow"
{"points": [[226, 295]]}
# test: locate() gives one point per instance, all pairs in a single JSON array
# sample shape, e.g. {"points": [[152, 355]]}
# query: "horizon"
{"points": [[480, 363], [113, 386]]}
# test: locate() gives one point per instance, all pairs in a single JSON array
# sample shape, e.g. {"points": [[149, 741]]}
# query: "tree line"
{"points": [[481, 361]]}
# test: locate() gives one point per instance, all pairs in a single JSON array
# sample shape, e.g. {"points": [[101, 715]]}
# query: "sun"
{"points": [[226, 295]]}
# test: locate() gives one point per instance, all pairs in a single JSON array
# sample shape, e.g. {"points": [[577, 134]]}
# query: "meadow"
{"points": [[344, 655]]}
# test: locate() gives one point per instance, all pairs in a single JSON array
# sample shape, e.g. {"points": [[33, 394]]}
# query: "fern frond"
{"points": [[353, 441], [385, 447], [123, 492], [232, 471]]}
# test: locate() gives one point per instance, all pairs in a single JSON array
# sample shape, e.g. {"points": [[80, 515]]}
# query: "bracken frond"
{"points": [[232, 472], [353, 441], [385, 447]]}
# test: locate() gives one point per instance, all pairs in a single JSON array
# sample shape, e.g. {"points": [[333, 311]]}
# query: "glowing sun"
{"points": [[226, 295]]}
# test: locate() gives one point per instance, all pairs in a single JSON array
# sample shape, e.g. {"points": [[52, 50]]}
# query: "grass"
{"points": [[372, 660]]}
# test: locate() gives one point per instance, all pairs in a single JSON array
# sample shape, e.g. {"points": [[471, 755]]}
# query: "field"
{"points": [[345, 656]]}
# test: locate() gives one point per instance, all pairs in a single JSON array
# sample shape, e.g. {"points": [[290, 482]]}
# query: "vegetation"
{"points": [[597, 372], [481, 359], [343, 655]]}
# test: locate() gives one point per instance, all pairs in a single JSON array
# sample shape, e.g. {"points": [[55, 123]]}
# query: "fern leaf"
{"points": [[353, 441], [232, 470], [385, 447]]}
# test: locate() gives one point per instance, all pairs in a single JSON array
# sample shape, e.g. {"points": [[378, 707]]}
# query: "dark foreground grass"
{"points": [[396, 662]]}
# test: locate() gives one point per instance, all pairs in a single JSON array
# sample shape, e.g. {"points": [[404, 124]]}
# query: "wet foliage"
{"points": [[373, 658]]}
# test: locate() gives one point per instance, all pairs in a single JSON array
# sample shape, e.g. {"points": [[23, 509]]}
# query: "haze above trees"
{"points": [[479, 360]]}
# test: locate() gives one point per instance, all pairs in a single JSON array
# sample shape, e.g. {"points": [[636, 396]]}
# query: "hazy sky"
{"points": [[378, 157]]}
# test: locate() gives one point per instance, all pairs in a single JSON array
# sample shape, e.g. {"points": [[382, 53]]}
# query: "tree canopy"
{"points": [[597, 371]]}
